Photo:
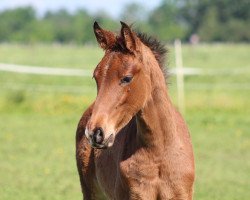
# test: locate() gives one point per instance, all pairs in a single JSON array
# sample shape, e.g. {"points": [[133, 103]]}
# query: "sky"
{"points": [[112, 7]]}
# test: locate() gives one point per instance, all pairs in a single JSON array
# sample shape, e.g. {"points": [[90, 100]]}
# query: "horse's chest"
{"points": [[150, 176], [135, 175], [139, 172]]}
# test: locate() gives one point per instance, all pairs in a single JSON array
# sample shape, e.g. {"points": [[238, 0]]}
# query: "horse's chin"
{"points": [[108, 143], [99, 146]]}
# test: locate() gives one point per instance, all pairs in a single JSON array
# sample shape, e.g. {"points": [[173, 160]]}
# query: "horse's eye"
{"points": [[126, 79]]}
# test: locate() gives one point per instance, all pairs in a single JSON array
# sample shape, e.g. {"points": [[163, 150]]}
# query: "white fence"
{"points": [[44, 70], [179, 71]]}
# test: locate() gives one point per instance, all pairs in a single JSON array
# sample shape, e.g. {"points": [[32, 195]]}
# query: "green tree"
{"points": [[61, 21], [165, 21], [15, 24], [212, 20], [223, 15], [209, 30]]}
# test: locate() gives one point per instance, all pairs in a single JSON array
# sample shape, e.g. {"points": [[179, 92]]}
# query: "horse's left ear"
{"points": [[130, 39]]}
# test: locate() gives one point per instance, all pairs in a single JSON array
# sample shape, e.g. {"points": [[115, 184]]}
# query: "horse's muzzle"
{"points": [[97, 138]]}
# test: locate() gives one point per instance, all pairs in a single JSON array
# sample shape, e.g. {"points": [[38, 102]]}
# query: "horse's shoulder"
{"points": [[83, 122], [83, 148]]}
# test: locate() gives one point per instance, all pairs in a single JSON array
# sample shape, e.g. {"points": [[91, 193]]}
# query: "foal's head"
{"points": [[124, 81]]}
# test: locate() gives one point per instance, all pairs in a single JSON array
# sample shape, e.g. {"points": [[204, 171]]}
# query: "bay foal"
{"points": [[131, 143]]}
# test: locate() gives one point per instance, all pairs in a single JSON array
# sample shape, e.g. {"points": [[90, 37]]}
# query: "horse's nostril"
{"points": [[98, 136]]}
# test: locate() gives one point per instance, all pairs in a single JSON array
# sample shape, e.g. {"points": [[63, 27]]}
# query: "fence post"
{"points": [[179, 76]]}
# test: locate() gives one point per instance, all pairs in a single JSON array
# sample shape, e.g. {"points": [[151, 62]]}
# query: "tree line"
{"points": [[209, 20]]}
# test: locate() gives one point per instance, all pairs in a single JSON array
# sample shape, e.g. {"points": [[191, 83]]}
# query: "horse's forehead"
{"points": [[114, 59]]}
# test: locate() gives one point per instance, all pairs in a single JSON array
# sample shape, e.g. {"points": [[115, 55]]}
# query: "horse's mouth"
{"points": [[108, 143], [99, 146]]}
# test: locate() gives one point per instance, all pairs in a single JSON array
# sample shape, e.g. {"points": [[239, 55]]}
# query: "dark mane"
{"points": [[159, 50]]}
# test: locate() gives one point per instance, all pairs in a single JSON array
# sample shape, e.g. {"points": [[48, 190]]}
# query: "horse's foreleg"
{"points": [[85, 186], [85, 166]]}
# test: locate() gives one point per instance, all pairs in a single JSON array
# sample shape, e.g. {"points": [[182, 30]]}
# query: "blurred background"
{"points": [[48, 52]]}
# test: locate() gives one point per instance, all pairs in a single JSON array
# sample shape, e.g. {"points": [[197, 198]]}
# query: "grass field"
{"points": [[39, 115]]}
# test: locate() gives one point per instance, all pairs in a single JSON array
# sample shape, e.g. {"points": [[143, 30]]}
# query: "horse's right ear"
{"points": [[106, 39], [129, 37]]}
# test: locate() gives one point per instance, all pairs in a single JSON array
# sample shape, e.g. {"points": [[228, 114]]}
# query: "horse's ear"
{"points": [[105, 38], [129, 37]]}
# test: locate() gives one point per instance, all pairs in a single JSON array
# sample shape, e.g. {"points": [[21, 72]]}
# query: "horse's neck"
{"points": [[156, 123]]}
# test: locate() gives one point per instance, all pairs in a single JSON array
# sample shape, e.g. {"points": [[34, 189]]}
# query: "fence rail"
{"points": [[44, 70], [179, 71], [187, 71]]}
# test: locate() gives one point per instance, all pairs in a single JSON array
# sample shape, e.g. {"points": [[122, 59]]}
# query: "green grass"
{"points": [[50, 55], [37, 157], [39, 115]]}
